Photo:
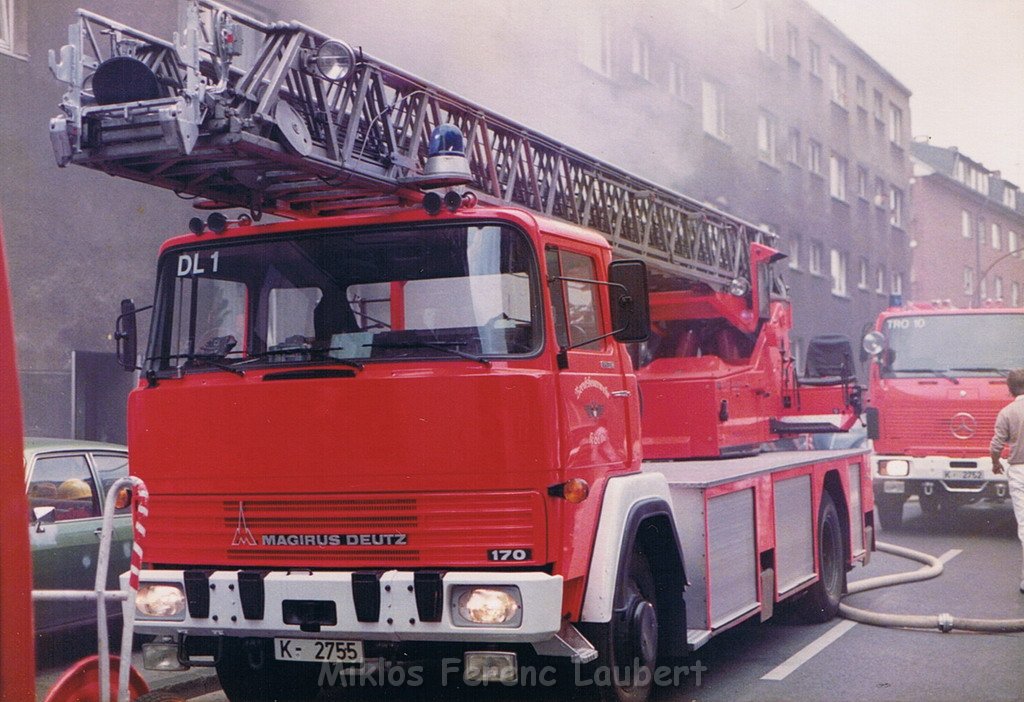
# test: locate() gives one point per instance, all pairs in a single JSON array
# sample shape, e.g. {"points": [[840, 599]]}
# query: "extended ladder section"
{"points": [[281, 118]]}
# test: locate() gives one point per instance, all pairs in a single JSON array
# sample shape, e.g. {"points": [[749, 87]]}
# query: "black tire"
{"points": [[938, 508], [627, 647], [248, 673], [820, 602], [889, 509]]}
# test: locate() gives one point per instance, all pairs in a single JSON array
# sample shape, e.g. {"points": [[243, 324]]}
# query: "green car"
{"points": [[66, 483]]}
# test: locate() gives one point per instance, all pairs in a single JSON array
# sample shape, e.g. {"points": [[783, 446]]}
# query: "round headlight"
{"points": [[874, 343], [487, 606], [334, 60], [160, 601]]}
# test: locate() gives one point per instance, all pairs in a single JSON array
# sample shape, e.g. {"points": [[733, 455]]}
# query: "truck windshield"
{"points": [[953, 345], [348, 297]]}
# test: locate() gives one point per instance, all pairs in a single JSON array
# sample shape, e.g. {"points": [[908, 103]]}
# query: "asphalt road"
{"points": [[839, 660]]}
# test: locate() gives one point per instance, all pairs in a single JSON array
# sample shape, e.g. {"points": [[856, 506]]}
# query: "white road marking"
{"points": [[819, 644], [950, 555], [809, 651]]}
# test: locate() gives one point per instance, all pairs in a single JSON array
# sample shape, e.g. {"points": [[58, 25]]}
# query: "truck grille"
{"points": [[420, 529], [922, 431]]}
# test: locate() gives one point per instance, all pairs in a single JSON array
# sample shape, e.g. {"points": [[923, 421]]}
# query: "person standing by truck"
{"points": [[1010, 430]]}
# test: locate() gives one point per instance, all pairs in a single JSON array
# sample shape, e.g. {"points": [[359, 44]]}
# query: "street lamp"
{"points": [[981, 276]]}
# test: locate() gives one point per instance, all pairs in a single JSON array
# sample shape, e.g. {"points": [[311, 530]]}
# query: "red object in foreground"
{"points": [[81, 682], [17, 652]]}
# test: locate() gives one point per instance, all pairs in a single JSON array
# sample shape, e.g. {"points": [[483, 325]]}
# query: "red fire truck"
{"points": [[479, 396], [937, 382]]}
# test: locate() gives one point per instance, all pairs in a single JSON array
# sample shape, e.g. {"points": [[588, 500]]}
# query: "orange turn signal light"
{"points": [[124, 498], [575, 490]]}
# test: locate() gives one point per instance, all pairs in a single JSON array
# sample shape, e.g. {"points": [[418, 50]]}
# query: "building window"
{"points": [[997, 237], [897, 284], [814, 157], [979, 229], [968, 281], [766, 129], [814, 258], [881, 195], [997, 288], [862, 93], [983, 289], [895, 125], [862, 274], [814, 58], [1012, 244], [1014, 294], [676, 79], [966, 226], [7, 25], [876, 106], [713, 109], [837, 268], [794, 253], [880, 280], [896, 207], [862, 182], [640, 58], [793, 42], [837, 81], [765, 31], [960, 171], [595, 47], [793, 146], [837, 176], [1010, 197]]}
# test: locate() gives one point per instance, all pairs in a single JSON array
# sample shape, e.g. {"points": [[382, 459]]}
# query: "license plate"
{"points": [[318, 651], [964, 474]]}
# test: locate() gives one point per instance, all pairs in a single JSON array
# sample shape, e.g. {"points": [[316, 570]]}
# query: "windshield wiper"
{"points": [[314, 354], [445, 346], [979, 369], [210, 360], [931, 371]]}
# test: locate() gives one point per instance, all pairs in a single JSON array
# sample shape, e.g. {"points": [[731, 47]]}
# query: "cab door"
{"points": [[592, 389]]}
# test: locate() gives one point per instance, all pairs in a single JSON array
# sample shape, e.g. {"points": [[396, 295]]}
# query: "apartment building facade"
{"points": [[967, 229]]}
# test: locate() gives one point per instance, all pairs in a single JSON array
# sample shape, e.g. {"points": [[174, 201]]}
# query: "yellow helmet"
{"points": [[74, 489]]}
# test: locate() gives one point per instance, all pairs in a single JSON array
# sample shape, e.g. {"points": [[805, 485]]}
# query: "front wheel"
{"points": [[821, 601], [248, 672], [627, 647]]}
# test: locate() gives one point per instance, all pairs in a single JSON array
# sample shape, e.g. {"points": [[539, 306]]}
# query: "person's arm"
{"points": [[999, 439]]}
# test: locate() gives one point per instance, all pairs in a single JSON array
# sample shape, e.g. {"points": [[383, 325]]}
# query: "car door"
{"points": [[109, 467], [63, 550]]}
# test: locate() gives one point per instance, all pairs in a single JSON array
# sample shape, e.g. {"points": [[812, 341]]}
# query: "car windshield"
{"points": [[954, 345], [348, 297]]}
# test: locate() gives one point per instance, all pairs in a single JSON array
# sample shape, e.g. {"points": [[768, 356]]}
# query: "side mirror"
{"points": [[43, 515], [630, 301], [126, 336]]}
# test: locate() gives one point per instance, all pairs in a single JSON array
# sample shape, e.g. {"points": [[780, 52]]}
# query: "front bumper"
{"points": [[398, 615], [940, 474]]}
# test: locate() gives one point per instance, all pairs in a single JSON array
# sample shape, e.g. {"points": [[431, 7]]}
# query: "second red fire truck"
{"points": [[937, 382], [479, 398]]}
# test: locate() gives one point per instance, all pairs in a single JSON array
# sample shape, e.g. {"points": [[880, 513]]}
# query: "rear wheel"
{"points": [[248, 672], [627, 647], [890, 511], [821, 601]]}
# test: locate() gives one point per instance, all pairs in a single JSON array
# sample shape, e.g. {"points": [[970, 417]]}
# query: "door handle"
{"points": [[621, 393]]}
